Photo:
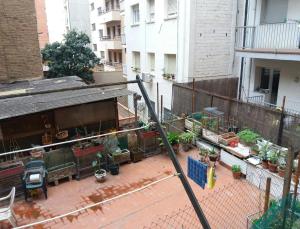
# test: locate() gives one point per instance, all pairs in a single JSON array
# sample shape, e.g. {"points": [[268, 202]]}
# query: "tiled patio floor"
{"points": [[133, 211]]}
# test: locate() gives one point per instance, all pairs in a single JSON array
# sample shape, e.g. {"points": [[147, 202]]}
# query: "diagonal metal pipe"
{"points": [[182, 177]]}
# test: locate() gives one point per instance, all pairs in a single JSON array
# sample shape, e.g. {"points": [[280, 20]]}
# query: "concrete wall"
{"points": [[108, 77], [79, 16], [41, 22], [212, 46], [20, 56]]}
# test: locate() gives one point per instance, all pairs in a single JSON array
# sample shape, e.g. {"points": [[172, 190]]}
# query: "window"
{"points": [[95, 47], [151, 10], [171, 8], [274, 11], [94, 27], [120, 57], [151, 62], [170, 63], [136, 61], [99, 11], [107, 6], [135, 14], [102, 54], [117, 4], [100, 33], [92, 6], [265, 78]]}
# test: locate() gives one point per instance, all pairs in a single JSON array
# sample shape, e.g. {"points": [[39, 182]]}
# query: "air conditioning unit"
{"points": [[147, 77], [141, 106]]}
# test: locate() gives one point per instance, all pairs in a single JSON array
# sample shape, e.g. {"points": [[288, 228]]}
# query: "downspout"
{"points": [[244, 42]]}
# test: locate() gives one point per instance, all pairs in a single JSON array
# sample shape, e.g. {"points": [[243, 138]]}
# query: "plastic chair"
{"points": [[7, 213], [34, 168]]}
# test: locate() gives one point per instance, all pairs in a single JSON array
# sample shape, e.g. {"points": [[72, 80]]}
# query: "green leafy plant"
{"points": [[264, 149], [96, 164], [173, 138], [212, 152], [70, 57], [273, 156], [236, 168], [186, 137], [248, 136]]}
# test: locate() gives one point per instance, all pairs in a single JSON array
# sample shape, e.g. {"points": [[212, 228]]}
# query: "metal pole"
{"points": [[161, 108], [157, 100], [281, 124], [193, 97], [174, 160]]}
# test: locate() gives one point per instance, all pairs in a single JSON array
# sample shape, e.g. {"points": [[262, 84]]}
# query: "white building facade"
{"points": [[267, 46], [65, 15], [105, 19], [170, 41]]}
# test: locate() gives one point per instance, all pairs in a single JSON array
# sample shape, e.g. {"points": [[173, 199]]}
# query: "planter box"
{"points": [[59, 172], [193, 125], [149, 134], [136, 156], [122, 157], [11, 169], [227, 138], [80, 152]]}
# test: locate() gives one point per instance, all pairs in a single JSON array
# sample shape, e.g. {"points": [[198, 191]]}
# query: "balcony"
{"points": [[109, 15], [111, 42], [281, 38], [112, 66]]}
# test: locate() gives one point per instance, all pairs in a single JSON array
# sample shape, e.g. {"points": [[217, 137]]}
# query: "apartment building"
{"points": [[267, 46], [20, 56], [42, 27], [65, 15], [106, 28], [172, 41]]}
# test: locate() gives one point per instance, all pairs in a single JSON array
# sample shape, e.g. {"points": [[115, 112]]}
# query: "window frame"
{"points": [[135, 14]]}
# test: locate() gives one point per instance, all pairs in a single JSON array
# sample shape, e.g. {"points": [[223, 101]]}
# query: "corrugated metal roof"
{"points": [[23, 105], [40, 85]]}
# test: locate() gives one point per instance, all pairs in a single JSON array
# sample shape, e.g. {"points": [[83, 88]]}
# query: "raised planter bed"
{"points": [[59, 172], [11, 169], [83, 151], [122, 157]]}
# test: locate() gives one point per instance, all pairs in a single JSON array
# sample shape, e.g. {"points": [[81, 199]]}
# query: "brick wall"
{"points": [[213, 47], [19, 47], [41, 23]]}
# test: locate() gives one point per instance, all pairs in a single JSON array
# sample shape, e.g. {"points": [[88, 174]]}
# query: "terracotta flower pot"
{"points": [[175, 148], [281, 172], [213, 158], [272, 167], [186, 147], [265, 164], [237, 175]]}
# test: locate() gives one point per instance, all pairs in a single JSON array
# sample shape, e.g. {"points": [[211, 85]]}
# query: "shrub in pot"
{"points": [[248, 137], [236, 171], [264, 148], [173, 139], [273, 161], [100, 174], [186, 139], [281, 170], [203, 153], [213, 155]]}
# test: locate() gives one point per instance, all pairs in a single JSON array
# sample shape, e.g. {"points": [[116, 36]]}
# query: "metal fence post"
{"points": [[183, 179], [281, 124]]}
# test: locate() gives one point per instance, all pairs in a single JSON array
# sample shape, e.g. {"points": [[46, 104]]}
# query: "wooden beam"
{"points": [[267, 195]]}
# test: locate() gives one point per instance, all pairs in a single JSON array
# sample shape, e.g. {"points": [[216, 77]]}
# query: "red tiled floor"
{"points": [[133, 211]]}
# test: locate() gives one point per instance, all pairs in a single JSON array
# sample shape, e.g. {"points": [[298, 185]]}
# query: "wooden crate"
{"points": [[226, 138], [60, 172], [122, 157]]}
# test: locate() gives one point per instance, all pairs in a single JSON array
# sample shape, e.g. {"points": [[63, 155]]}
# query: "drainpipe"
{"points": [[244, 42]]}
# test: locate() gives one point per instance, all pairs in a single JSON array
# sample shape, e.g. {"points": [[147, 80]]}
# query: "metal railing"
{"points": [[110, 38], [269, 36], [259, 100], [123, 39], [101, 12]]}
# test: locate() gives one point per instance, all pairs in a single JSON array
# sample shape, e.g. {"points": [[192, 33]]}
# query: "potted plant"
{"points": [[114, 169], [203, 155], [100, 174], [264, 148], [281, 169], [213, 155], [273, 161], [248, 137], [173, 139], [236, 171], [186, 139]]}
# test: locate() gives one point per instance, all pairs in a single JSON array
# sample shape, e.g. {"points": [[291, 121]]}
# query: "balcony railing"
{"points": [[269, 36], [101, 12], [110, 38], [123, 39]]}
